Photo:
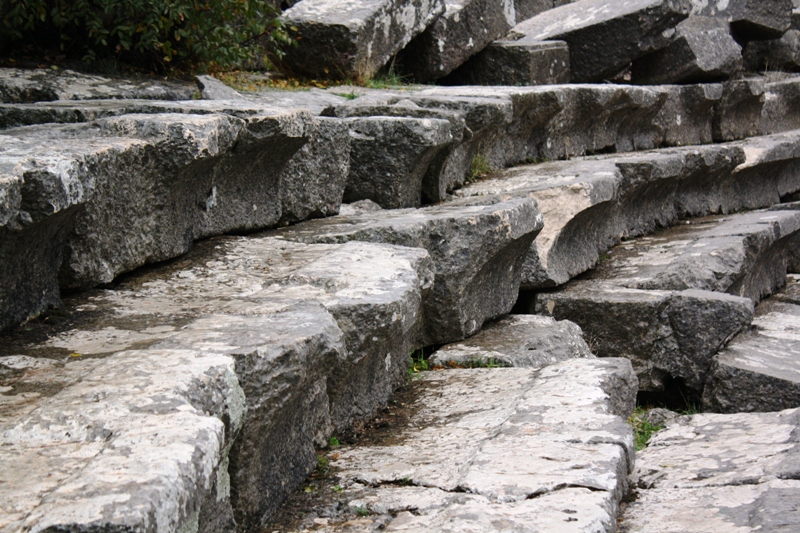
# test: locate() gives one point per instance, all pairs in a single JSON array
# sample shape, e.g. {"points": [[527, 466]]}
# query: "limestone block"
{"points": [[526, 9], [465, 28], [353, 39], [530, 341], [213, 89], [749, 19], [477, 251], [702, 50], [516, 63], [604, 37], [37, 85]]}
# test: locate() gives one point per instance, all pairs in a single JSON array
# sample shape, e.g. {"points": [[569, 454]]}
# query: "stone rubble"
{"points": [[749, 19]]}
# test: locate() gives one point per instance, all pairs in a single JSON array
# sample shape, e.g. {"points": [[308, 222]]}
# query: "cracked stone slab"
{"points": [[310, 339], [749, 19], [21, 86], [758, 370], [498, 447], [603, 36], [477, 251], [632, 194], [465, 28], [352, 39], [718, 472], [702, 50], [530, 341]]}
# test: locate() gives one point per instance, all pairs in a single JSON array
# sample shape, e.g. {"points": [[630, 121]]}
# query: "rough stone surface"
{"points": [[390, 156], [526, 9], [516, 63], [713, 472], [702, 50], [466, 27], [603, 36], [532, 450], [758, 371], [477, 251], [287, 341], [530, 341], [628, 195], [349, 39], [18, 85], [749, 19], [777, 54], [666, 334], [738, 113]]}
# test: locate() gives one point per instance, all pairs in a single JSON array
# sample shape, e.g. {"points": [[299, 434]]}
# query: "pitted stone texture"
{"points": [[702, 50], [745, 254], [712, 472], [477, 251], [389, 158], [515, 440], [664, 333], [133, 442], [352, 39], [530, 341], [516, 63], [526, 9], [318, 337], [738, 112], [465, 28], [749, 19], [603, 36], [758, 371], [18, 85]]}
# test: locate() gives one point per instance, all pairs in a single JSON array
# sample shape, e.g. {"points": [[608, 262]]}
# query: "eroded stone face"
{"points": [[749, 19]]}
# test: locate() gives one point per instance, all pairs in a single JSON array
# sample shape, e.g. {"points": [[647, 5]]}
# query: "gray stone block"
{"points": [[21, 86], [774, 55], [604, 37], [345, 39], [516, 63], [702, 50], [477, 251], [213, 89], [711, 472], [465, 28], [749, 19], [530, 341]]}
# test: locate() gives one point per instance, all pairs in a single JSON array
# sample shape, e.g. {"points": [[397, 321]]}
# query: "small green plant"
{"points": [[490, 362], [363, 511], [352, 95], [418, 363], [322, 466], [337, 488], [479, 167], [333, 442], [642, 429]]}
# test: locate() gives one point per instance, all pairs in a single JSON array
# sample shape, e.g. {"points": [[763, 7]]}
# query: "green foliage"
{"points": [[489, 362], [479, 167], [642, 430], [160, 34], [334, 442], [418, 363]]}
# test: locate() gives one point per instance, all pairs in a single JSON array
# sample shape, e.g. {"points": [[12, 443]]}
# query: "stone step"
{"points": [[530, 341], [195, 394], [494, 450], [758, 370], [37, 85], [591, 203], [477, 252], [652, 300], [718, 472], [352, 39], [80, 204]]}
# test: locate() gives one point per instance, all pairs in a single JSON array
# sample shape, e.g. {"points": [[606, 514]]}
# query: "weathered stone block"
{"points": [[516, 63], [530, 341], [604, 37], [702, 50], [352, 39], [465, 28], [774, 55], [749, 19]]}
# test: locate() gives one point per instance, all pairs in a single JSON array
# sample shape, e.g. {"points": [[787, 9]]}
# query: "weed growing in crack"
{"points": [[478, 168], [642, 429]]}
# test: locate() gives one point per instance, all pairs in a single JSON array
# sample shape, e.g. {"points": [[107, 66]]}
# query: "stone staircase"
{"points": [[190, 312]]}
